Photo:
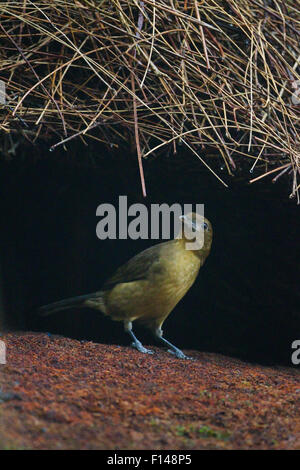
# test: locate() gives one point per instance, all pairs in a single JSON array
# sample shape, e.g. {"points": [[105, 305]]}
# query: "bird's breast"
{"points": [[179, 273], [155, 297]]}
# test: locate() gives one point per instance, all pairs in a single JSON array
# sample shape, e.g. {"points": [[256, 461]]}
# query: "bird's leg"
{"points": [[136, 343], [177, 352]]}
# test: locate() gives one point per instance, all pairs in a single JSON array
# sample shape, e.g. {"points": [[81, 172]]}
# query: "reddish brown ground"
{"points": [[59, 393]]}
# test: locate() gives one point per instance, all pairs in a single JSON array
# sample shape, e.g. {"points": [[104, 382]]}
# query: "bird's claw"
{"points": [[141, 348], [180, 355]]}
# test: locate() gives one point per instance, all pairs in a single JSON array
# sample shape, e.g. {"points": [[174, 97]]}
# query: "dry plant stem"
{"points": [[135, 115], [137, 139], [269, 173]]}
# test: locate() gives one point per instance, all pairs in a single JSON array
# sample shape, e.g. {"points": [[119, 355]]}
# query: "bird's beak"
{"points": [[188, 221]]}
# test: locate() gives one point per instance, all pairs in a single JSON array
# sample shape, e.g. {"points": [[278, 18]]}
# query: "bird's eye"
{"points": [[204, 226]]}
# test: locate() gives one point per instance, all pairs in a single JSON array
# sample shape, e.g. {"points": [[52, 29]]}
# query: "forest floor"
{"points": [[60, 393]]}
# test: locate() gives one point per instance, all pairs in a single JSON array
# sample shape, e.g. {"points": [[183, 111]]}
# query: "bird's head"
{"points": [[196, 232]]}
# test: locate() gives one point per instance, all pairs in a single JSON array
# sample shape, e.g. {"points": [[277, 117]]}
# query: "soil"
{"points": [[60, 393]]}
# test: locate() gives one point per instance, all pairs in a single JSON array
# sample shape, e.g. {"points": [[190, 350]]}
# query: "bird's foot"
{"points": [[180, 354], [141, 348]]}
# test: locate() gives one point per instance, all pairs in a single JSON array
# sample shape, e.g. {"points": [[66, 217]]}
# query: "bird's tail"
{"points": [[80, 301]]}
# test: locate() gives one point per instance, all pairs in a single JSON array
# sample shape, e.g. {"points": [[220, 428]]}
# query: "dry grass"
{"points": [[219, 77]]}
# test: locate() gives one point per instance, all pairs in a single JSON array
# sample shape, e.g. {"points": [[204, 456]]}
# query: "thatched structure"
{"points": [[220, 77]]}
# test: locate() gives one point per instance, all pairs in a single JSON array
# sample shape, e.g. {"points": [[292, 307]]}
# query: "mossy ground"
{"points": [[61, 393]]}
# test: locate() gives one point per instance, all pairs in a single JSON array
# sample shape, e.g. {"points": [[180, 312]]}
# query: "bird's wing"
{"points": [[136, 269]]}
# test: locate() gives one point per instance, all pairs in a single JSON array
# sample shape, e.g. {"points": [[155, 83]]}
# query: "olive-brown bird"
{"points": [[149, 285]]}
